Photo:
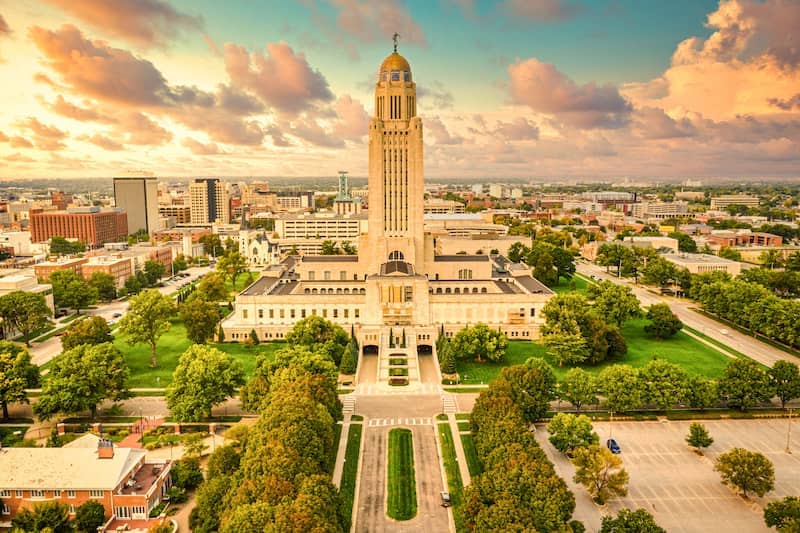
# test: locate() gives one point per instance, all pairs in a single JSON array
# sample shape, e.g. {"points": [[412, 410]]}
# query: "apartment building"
{"points": [[209, 201], [90, 225]]}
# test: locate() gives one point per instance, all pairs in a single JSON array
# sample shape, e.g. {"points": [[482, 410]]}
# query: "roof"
{"points": [[696, 258], [460, 258], [533, 285], [330, 258], [454, 216], [65, 468], [261, 286]]}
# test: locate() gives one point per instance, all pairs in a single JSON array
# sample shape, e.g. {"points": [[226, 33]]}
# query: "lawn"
{"points": [[455, 485], [564, 285], [170, 346], [347, 487], [683, 350], [242, 281], [402, 500], [473, 463]]}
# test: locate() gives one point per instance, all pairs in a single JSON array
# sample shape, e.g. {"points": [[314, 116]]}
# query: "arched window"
{"points": [[396, 255], [483, 290], [438, 290], [447, 290], [474, 290], [458, 290]]}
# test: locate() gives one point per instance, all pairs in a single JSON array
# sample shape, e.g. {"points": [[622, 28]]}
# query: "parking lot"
{"points": [[680, 488]]}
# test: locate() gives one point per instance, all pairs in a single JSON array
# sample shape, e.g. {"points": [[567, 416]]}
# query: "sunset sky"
{"points": [[512, 88]]}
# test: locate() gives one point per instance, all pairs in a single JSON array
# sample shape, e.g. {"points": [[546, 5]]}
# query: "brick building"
{"points": [[91, 225], [44, 270], [121, 268]]}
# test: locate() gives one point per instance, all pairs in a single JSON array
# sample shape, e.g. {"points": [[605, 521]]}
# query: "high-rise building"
{"points": [[209, 201], [91, 225], [138, 196]]}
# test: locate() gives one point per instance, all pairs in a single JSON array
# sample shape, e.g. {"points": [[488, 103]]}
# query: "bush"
{"points": [[89, 516], [177, 495], [186, 473]]}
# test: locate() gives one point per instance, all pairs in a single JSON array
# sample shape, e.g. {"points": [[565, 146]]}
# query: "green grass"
{"points": [[347, 489], [7, 436], [455, 484], [170, 346], [242, 281], [402, 486], [473, 463], [563, 286], [463, 426], [683, 350]]}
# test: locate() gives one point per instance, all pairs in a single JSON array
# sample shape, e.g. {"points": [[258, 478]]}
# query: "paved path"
{"points": [[134, 439], [338, 466], [753, 348]]}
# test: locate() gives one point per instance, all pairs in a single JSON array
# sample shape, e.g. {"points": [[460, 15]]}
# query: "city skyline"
{"points": [[510, 89]]}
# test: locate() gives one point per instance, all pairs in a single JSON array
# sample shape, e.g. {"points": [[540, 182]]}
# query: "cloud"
{"points": [[3, 137], [44, 137], [138, 128], [434, 96], [142, 22], [653, 123], [438, 130], [104, 142], [199, 148], [541, 10], [467, 8], [311, 131], [5, 30], [278, 138], [70, 110], [353, 121], [519, 129], [788, 104], [370, 21], [544, 89], [19, 142], [281, 79], [17, 157]]}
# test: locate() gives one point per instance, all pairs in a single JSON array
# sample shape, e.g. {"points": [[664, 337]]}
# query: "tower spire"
{"points": [[394, 38]]}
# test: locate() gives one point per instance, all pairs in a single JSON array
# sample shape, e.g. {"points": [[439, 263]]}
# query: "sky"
{"points": [[537, 89]]}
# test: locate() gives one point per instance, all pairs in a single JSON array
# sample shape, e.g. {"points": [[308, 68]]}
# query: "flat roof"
{"points": [[330, 258], [533, 285], [460, 258], [696, 258], [261, 286]]}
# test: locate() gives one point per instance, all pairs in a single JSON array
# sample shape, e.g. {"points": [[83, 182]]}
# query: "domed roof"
{"points": [[395, 61]]}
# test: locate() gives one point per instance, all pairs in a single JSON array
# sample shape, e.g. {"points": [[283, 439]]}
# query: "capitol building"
{"points": [[396, 282]]}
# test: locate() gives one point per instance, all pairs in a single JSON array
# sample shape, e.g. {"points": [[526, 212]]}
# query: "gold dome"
{"points": [[395, 61]]}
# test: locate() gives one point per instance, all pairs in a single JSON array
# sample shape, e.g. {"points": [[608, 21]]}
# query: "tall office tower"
{"points": [[210, 201], [138, 196]]}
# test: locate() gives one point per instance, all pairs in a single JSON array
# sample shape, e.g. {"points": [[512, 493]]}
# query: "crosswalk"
{"points": [[348, 404], [382, 422], [449, 404]]}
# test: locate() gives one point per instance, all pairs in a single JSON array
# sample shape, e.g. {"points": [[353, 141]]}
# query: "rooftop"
{"points": [[533, 285], [460, 258], [329, 258], [696, 258]]}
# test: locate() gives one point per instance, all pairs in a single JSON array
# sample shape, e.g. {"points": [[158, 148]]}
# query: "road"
{"points": [[753, 348], [43, 352]]}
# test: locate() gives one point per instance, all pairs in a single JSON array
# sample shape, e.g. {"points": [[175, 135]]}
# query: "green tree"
{"points": [[89, 516], [319, 335], [203, 378], [220, 334], [579, 388], [154, 271], [91, 330], [517, 251], [61, 246], [685, 242], [479, 342], [213, 287], [785, 379], [568, 432], [659, 272], [72, 291], [627, 521], [532, 386], [17, 373], [232, 265], [329, 247], [701, 392], [147, 320], [104, 284], [727, 252], [783, 515], [771, 259], [447, 359], [664, 384], [663, 322], [205, 517], [212, 244], [179, 263], [254, 337], [25, 312], [601, 472], [745, 385], [622, 387], [200, 317], [565, 343], [186, 473], [223, 461], [50, 517], [544, 268], [746, 471], [615, 303], [698, 437], [81, 378], [349, 249], [349, 362]]}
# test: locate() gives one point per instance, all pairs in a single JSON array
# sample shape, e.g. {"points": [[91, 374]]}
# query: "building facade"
{"points": [[138, 196], [90, 225], [209, 201]]}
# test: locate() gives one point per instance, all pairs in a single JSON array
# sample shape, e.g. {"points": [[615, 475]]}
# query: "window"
{"points": [[95, 493], [356, 313], [71, 509], [396, 255], [272, 313], [5, 509], [260, 313], [5, 493], [312, 275], [343, 275], [347, 313], [37, 494], [281, 313], [123, 512], [335, 313], [70, 494], [302, 313], [244, 313], [326, 275], [324, 313], [533, 311], [56, 494], [291, 313], [18, 493]]}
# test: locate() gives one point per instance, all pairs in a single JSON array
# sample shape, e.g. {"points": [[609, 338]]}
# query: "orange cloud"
{"points": [[45, 137], [353, 120], [199, 148], [106, 143], [143, 22], [19, 142], [375, 20], [5, 31]]}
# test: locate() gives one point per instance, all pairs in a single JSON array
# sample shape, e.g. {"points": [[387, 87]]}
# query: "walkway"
{"points": [[134, 440]]}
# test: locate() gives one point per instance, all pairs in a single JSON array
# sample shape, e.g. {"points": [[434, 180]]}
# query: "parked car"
{"points": [[613, 446], [446, 499], [116, 315]]}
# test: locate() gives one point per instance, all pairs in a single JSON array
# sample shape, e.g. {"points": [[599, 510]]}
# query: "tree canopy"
{"points": [[319, 335], [663, 322], [17, 373], [568, 432], [746, 471], [91, 330], [71, 291], [200, 317], [25, 312], [479, 342], [627, 521], [147, 320], [745, 385], [601, 472]]}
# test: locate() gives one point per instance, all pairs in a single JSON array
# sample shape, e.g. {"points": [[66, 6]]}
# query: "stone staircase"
{"points": [[397, 358]]}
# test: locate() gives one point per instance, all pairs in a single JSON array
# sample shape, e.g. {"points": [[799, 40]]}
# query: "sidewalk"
{"points": [[134, 440]]}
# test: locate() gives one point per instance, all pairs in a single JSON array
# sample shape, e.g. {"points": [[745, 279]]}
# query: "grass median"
{"points": [[347, 487], [402, 485], [455, 485]]}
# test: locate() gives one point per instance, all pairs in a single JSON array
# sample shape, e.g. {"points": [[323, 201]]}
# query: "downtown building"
{"points": [[209, 201], [90, 225], [138, 196]]}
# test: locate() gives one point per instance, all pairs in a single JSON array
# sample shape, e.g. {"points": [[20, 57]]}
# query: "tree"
{"points": [[622, 388], [213, 287], [154, 271], [81, 378], [532, 386], [568, 431], [685, 242], [91, 330], [25, 312], [727, 252], [447, 359], [517, 251], [627, 521], [664, 384], [479, 342], [565, 343], [186, 473], [579, 388], [89, 516], [783, 515], [543, 268], [744, 384], [200, 317], [72, 291], [349, 249], [349, 362], [663, 322], [698, 437], [329, 247], [179, 263], [254, 337], [61, 246], [147, 320], [319, 335], [50, 517], [220, 334], [659, 272], [701, 392], [104, 284], [615, 303], [203, 378], [212, 244], [746, 471], [17, 373], [785, 379], [601, 472], [232, 265], [771, 259]]}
